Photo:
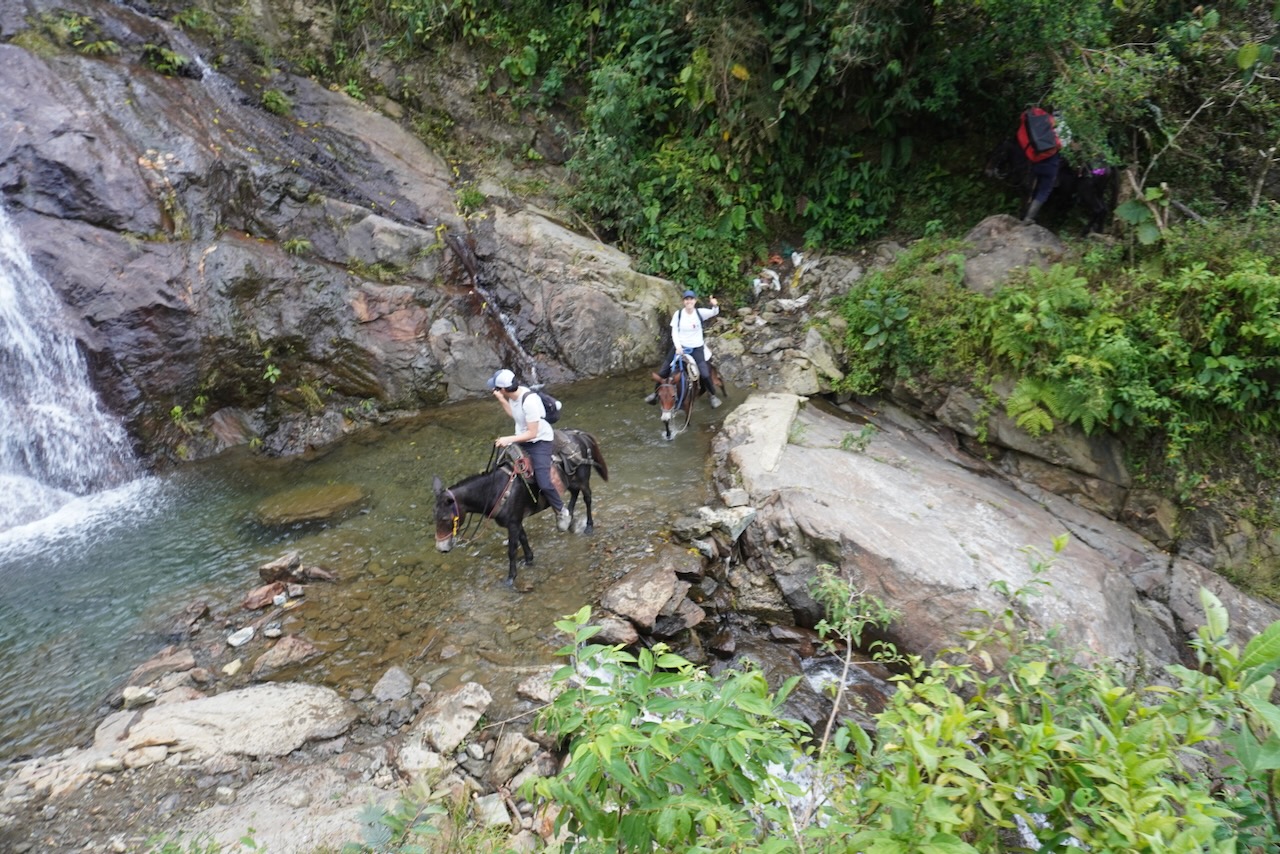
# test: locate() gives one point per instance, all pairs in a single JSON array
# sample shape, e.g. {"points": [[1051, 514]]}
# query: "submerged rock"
{"points": [[324, 503]]}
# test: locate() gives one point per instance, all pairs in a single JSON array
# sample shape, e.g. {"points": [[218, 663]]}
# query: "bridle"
{"points": [[457, 517]]}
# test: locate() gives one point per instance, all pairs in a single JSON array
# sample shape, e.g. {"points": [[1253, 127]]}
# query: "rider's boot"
{"points": [[711, 394], [653, 398]]}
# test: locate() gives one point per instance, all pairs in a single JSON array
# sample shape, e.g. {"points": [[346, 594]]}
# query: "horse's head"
{"points": [[448, 516], [668, 393]]}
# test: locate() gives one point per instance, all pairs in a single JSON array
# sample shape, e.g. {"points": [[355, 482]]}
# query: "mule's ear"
{"points": [[437, 485]]}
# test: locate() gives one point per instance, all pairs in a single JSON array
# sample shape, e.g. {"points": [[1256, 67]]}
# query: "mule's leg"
{"points": [[574, 490], [524, 544], [586, 499], [717, 382], [515, 533]]}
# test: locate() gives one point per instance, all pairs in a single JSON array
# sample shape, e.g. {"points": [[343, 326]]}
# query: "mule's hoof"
{"points": [[715, 402]]}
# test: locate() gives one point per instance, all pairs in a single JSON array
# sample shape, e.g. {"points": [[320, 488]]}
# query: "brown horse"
{"points": [[677, 392], [509, 493]]}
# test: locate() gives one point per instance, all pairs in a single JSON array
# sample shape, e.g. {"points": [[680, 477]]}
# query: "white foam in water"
{"points": [[57, 441], [78, 518]]}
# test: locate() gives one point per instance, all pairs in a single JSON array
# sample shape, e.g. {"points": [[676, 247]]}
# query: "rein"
{"points": [[521, 467], [681, 387]]}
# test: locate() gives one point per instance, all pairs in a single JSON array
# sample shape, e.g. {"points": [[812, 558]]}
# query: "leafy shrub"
{"points": [[164, 60], [659, 754], [1042, 750], [275, 101], [404, 827]]}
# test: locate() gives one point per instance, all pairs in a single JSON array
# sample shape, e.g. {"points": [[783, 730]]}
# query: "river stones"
{"points": [[325, 503]]}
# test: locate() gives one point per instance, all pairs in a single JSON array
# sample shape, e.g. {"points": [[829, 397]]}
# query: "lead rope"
{"points": [[680, 398]]}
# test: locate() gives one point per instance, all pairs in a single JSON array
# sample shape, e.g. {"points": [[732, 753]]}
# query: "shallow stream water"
{"points": [[88, 593]]}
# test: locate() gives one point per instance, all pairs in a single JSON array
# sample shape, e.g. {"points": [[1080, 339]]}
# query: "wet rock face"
{"points": [[290, 270]]}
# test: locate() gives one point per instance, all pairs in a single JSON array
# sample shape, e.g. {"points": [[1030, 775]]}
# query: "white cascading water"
{"points": [[56, 442]]}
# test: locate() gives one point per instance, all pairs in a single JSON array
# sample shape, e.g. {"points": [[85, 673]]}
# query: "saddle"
{"points": [[515, 456], [568, 454]]}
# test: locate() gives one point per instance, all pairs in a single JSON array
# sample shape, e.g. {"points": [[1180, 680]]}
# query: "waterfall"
{"points": [[56, 442]]}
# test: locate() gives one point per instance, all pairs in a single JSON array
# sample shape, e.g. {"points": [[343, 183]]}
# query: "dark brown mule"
{"points": [[508, 494], [1093, 190]]}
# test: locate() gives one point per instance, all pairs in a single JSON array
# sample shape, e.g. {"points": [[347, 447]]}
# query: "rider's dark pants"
{"points": [[700, 357], [540, 456]]}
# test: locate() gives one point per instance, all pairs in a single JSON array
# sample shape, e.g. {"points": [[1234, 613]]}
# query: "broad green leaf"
{"points": [[1148, 233], [967, 766], [1133, 212], [1215, 614], [1247, 56], [1032, 672], [1263, 652], [1265, 710]]}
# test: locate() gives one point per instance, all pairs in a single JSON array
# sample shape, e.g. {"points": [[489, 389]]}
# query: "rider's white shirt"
{"points": [[686, 326], [528, 407]]}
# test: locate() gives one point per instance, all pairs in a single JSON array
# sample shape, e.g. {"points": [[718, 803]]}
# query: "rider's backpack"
{"points": [[1038, 135], [549, 403]]}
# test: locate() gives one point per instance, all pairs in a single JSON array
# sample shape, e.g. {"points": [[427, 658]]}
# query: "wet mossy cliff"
{"points": [[248, 257]]}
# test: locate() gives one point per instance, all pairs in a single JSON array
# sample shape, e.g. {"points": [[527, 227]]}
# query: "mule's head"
{"points": [[448, 517]]}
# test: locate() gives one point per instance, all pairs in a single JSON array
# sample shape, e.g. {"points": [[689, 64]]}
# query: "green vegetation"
{"points": [[275, 101], [858, 442], [710, 134], [296, 246], [470, 200], [1176, 347], [406, 827], [68, 29], [164, 60], [966, 757]]}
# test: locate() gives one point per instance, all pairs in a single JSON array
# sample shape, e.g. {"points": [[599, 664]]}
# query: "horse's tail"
{"points": [[597, 458]]}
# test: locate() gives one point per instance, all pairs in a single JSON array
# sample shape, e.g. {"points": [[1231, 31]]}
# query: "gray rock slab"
{"points": [[261, 720], [930, 536]]}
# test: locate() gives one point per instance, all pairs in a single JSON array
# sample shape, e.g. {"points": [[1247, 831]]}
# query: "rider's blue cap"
{"points": [[688, 294]]}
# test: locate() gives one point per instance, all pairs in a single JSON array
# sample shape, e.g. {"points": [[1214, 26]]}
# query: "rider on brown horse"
{"points": [[687, 337]]}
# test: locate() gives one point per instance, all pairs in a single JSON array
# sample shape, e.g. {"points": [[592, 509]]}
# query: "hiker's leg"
{"points": [[540, 457], [704, 372], [1046, 175]]}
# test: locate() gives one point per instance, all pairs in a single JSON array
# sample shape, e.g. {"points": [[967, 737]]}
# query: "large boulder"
{"points": [[1000, 244], [936, 534]]}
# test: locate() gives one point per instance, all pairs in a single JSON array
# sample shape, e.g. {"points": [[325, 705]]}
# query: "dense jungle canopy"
{"points": [[704, 135]]}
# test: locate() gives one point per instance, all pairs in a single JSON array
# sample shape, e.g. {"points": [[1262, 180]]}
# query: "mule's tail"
{"points": [[597, 458]]}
